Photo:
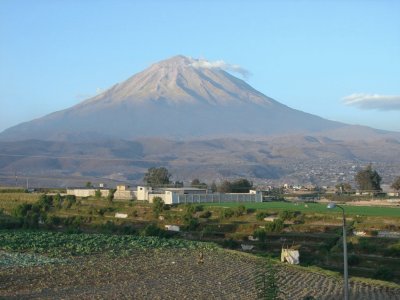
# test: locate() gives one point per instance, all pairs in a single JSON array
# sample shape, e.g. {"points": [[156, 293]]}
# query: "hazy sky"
{"points": [[336, 59]]}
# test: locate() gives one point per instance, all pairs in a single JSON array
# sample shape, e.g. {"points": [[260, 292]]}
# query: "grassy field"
{"points": [[8, 201], [315, 208]]}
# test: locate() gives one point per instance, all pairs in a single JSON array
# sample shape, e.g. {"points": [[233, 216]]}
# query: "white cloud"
{"points": [[373, 101], [220, 64], [99, 90], [87, 96]]}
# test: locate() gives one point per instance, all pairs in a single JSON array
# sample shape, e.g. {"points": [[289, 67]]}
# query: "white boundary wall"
{"points": [[174, 198]]}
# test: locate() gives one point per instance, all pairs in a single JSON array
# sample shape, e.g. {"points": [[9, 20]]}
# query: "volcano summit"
{"points": [[180, 97]]}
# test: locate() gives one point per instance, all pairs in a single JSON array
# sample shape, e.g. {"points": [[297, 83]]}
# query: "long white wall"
{"points": [[213, 198]]}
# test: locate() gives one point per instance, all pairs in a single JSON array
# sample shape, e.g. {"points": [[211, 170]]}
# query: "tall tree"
{"points": [[396, 184], [214, 187], [225, 187], [368, 179], [158, 206], [241, 186], [197, 184], [157, 177], [238, 186]]}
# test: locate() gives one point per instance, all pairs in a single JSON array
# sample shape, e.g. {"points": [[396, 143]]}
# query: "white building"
{"points": [[194, 195], [88, 192]]}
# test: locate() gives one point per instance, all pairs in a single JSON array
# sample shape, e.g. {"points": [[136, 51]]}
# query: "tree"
{"points": [[396, 184], [158, 206], [88, 184], [238, 186], [225, 187], [343, 187], [241, 186], [368, 179], [197, 184], [97, 193], [157, 177], [110, 196], [213, 187]]}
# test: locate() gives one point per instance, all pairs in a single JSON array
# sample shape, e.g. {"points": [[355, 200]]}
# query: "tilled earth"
{"points": [[170, 274]]}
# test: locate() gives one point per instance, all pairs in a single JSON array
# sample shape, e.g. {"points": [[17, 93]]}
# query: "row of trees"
{"points": [[158, 177], [367, 179]]}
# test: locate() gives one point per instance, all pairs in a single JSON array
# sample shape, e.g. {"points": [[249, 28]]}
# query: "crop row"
{"points": [[57, 244]]}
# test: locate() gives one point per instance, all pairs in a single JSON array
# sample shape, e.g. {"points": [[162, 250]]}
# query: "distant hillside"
{"points": [[300, 159]]}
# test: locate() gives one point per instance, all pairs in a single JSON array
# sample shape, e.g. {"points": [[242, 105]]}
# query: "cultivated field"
{"points": [[153, 269], [318, 208]]}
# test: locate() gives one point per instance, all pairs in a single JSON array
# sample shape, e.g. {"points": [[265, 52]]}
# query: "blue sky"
{"points": [[336, 59]]}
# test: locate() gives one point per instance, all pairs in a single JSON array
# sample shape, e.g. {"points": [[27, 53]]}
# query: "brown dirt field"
{"points": [[373, 203], [171, 274]]}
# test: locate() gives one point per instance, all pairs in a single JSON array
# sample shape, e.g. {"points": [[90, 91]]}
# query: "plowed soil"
{"points": [[171, 274]]}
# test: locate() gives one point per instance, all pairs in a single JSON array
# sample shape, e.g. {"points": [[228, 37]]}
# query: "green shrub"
{"points": [[393, 250], [45, 202], [53, 221], [230, 243], [70, 200], [353, 260], [128, 229], [226, 213], [153, 230], [367, 247], [240, 211], [261, 234], [275, 226], [97, 194], [207, 231], [384, 273], [287, 215], [261, 215], [158, 206], [192, 224], [205, 215]]}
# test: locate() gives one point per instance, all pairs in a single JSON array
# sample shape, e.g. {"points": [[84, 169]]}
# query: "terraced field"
{"points": [[170, 274]]}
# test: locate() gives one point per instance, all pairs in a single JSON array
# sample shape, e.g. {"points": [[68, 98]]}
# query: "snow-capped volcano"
{"points": [[179, 97], [182, 80]]}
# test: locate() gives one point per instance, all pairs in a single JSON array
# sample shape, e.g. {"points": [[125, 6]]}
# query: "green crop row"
{"points": [[60, 244]]}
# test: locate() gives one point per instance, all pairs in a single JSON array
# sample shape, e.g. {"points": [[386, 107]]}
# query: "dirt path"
{"points": [[169, 274]]}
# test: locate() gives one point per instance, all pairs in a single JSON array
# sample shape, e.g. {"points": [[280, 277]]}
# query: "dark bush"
{"points": [[261, 215], [260, 234], [240, 211], [275, 226], [226, 213], [384, 273], [153, 230], [393, 250], [231, 244], [45, 202], [353, 260], [287, 215], [205, 215]]}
